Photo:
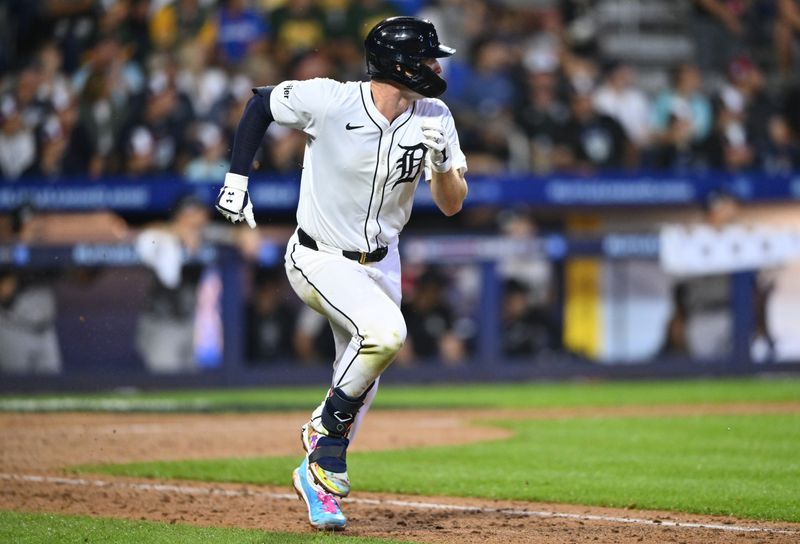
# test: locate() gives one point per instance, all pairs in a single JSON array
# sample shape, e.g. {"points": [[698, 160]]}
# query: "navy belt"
{"points": [[360, 256]]}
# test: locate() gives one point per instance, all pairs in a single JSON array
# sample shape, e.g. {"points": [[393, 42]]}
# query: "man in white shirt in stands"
{"points": [[368, 144]]}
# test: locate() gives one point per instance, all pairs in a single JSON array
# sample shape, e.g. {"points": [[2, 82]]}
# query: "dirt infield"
{"points": [[35, 449]]}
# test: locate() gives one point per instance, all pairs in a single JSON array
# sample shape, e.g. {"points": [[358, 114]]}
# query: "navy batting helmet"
{"points": [[396, 48]]}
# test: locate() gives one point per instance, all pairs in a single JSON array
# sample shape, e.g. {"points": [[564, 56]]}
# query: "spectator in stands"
{"points": [[762, 344], [163, 125], [54, 88], [27, 325], [532, 269], [298, 27], [702, 322], [100, 121], [365, 14], [180, 23], [165, 331], [17, 141], [128, 22], [590, 140], [781, 152], [212, 161], [526, 330], [580, 26], [73, 24], [743, 111], [745, 92], [27, 312], [240, 32], [52, 160], [542, 114], [313, 340], [730, 147], [483, 105], [675, 342], [107, 55], [580, 73], [27, 94], [313, 64], [676, 150], [489, 89], [431, 323], [618, 98], [460, 22], [140, 153], [202, 80], [686, 102], [270, 320], [113, 59], [708, 324], [346, 26]]}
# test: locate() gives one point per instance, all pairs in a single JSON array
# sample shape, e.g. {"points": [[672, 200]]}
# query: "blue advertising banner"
{"points": [[280, 193]]}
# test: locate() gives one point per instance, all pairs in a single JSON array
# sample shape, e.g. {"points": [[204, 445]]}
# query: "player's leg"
{"points": [[363, 411], [341, 338], [351, 298], [387, 275]]}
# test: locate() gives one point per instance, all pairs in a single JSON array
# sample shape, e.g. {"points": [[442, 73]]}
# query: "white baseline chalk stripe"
{"points": [[194, 490]]}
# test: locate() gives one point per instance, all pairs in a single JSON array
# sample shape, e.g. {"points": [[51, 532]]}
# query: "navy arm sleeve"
{"points": [[254, 123]]}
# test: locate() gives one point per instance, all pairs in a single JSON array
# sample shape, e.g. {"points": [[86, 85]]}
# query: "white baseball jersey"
{"points": [[359, 171]]}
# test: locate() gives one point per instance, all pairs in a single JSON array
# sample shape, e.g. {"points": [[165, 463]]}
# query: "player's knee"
{"points": [[386, 340], [389, 343]]}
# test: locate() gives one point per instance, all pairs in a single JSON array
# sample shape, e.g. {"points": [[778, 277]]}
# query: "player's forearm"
{"points": [[249, 134], [449, 189], [233, 201]]}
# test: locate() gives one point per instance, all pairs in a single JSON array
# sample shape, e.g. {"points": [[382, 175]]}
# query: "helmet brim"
{"points": [[443, 51]]}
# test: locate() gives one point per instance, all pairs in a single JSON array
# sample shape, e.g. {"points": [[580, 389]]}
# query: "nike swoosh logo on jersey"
{"points": [[353, 127]]}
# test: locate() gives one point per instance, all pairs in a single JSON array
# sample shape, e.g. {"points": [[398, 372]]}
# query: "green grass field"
{"points": [[50, 529], [544, 395], [745, 466], [740, 465]]}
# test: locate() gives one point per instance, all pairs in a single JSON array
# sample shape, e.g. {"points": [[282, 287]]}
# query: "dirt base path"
{"points": [[35, 449]]}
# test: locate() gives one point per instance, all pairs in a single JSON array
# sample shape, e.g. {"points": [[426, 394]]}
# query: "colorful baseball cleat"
{"points": [[326, 460], [323, 508]]}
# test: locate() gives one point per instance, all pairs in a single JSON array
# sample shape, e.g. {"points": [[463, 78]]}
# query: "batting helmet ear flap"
{"points": [[427, 83]]}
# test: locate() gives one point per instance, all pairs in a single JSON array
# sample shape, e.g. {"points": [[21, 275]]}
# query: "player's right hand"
{"points": [[434, 138], [234, 201]]}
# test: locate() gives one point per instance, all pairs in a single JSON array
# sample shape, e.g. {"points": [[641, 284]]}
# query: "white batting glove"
{"points": [[234, 202], [435, 140]]}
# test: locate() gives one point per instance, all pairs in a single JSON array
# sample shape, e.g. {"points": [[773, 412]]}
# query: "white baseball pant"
{"points": [[362, 304]]}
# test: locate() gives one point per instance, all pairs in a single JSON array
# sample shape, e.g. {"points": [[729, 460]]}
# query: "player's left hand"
{"points": [[234, 201], [434, 139]]}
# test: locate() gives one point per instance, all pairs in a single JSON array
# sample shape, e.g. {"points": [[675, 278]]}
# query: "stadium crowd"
{"points": [[146, 87], [115, 89]]}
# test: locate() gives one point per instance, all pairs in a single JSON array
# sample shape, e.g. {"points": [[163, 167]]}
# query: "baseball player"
{"points": [[368, 144]]}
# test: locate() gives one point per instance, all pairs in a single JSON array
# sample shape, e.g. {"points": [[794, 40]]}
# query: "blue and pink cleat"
{"points": [[323, 508]]}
